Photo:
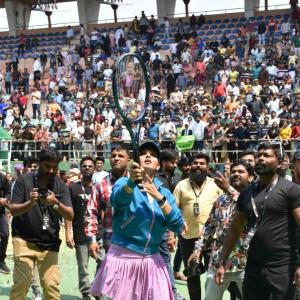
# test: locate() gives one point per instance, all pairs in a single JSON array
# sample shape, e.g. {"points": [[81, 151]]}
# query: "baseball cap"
{"points": [[150, 145]]}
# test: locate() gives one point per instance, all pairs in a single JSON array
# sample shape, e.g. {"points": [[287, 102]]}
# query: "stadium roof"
{"points": [[30, 2]]}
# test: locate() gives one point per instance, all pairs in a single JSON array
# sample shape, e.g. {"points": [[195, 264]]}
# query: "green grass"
{"points": [[69, 277]]}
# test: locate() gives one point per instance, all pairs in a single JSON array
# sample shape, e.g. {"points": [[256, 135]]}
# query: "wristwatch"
{"points": [[56, 205], [162, 201]]}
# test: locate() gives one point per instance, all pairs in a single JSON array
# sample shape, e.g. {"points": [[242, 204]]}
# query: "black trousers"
{"points": [[274, 283], [193, 282], [4, 234]]}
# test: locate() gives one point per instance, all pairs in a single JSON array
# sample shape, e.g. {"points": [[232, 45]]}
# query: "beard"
{"points": [[261, 169], [198, 177], [87, 177]]}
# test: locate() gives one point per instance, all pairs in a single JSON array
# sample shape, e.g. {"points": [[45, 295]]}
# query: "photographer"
{"points": [[38, 201]]}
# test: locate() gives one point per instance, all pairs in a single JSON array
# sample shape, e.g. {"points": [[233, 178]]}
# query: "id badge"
{"points": [[46, 220], [196, 209]]}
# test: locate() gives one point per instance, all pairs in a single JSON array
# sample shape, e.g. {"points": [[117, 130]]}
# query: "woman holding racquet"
{"points": [[133, 268]]}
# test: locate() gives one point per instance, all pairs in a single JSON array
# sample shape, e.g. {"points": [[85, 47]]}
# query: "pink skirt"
{"points": [[126, 275]]}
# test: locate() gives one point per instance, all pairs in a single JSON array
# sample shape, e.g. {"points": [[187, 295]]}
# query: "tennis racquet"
{"points": [[131, 88]]}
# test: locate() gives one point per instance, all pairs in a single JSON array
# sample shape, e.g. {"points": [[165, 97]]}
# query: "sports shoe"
{"points": [[4, 268], [86, 297], [36, 295], [177, 296]]}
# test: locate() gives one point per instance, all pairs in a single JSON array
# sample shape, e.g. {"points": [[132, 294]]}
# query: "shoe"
{"points": [[36, 296], [86, 297], [177, 296], [179, 276], [4, 268]]}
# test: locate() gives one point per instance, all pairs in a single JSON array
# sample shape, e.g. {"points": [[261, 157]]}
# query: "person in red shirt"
{"points": [[22, 42], [22, 103], [220, 92], [295, 136]]}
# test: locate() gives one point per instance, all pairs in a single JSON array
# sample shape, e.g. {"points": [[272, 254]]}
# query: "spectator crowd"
{"points": [[228, 94], [240, 101]]}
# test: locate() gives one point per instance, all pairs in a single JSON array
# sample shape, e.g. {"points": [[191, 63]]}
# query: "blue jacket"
{"points": [[139, 225]]}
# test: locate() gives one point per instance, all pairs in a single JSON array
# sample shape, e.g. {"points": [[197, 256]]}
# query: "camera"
{"points": [[43, 193]]}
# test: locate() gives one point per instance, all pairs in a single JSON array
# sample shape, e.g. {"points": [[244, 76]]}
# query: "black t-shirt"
{"points": [[4, 191], [80, 197], [274, 242], [29, 226]]}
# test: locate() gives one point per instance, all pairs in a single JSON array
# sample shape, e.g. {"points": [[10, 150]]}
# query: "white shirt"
{"points": [[118, 34], [153, 55], [173, 48], [177, 68], [109, 115], [98, 176], [198, 130], [186, 57], [107, 74], [272, 70], [125, 134], [37, 66], [70, 33], [167, 130], [142, 94]]}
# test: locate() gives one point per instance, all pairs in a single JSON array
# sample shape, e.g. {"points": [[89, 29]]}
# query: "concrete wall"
{"points": [[250, 7], [165, 8], [88, 11], [18, 15]]}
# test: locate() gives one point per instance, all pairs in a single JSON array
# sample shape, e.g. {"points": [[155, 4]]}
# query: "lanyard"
{"points": [[272, 185], [201, 189]]}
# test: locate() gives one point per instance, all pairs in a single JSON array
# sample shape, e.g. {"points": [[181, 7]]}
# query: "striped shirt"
{"points": [[99, 212]]}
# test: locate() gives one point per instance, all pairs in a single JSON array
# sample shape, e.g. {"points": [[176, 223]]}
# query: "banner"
{"points": [[185, 142]]}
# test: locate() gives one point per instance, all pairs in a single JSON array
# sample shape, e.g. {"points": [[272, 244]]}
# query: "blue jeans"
{"points": [[82, 257], [198, 145], [36, 108], [165, 253]]}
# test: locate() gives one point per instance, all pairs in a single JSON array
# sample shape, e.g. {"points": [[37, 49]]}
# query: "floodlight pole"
{"points": [[266, 5], [115, 8], [186, 3], [48, 14]]}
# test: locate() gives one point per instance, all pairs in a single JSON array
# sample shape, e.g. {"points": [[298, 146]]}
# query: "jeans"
{"points": [[262, 39], [262, 283], [36, 109], [198, 145], [177, 259], [4, 234], [214, 291], [15, 84], [165, 253], [82, 257], [26, 257]]}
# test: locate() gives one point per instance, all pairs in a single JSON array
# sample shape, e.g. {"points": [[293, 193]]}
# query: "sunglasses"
{"points": [[87, 166]]}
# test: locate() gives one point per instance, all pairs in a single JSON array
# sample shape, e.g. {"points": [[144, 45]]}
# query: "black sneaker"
{"points": [[86, 297], [4, 268]]}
